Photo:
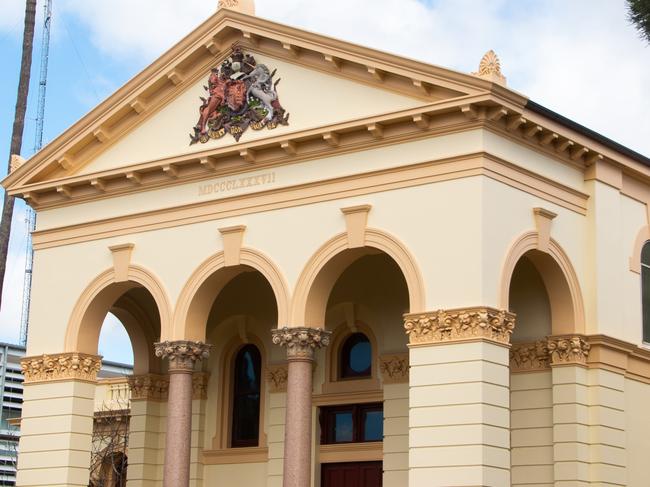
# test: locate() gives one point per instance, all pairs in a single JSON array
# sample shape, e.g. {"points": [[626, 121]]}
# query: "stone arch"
{"points": [[559, 277], [328, 263], [105, 295], [641, 238], [197, 296]]}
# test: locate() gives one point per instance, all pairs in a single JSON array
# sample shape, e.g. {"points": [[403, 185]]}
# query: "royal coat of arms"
{"points": [[241, 94]]}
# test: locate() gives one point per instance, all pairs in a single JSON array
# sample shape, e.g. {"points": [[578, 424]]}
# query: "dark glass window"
{"points": [[356, 357], [246, 398], [354, 423], [645, 290]]}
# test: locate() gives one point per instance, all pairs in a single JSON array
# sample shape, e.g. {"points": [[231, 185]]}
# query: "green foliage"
{"points": [[639, 15]]}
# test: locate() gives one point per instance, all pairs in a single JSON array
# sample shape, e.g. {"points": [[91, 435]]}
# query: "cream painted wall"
{"points": [[284, 176], [245, 474], [633, 219], [532, 160], [637, 398], [507, 215], [313, 99]]}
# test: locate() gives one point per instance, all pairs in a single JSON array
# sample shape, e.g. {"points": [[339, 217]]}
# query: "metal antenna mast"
{"points": [[30, 215]]}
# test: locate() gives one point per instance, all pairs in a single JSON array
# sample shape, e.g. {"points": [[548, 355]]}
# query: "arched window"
{"points": [[246, 398], [645, 290], [356, 357]]}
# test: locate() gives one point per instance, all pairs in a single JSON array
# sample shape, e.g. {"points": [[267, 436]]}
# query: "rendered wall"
{"points": [[637, 421]]}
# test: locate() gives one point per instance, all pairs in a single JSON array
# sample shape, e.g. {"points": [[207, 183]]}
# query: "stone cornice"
{"points": [[61, 366], [459, 325], [149, 386], [301, 342], [276, 377], [394, 368], [471, 111], [182, 354]]}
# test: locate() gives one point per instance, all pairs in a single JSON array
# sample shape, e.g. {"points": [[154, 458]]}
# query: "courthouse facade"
{"points": [[338, 267]]}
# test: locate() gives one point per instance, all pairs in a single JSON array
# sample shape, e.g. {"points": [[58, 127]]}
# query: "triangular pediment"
{"points": [[324, 83], [311, 99]]}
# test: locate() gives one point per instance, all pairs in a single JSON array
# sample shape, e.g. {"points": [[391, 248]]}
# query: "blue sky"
{"points": [[578, 57]]}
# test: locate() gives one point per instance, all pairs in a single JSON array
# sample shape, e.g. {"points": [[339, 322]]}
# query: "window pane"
{"points": [[246, 397], [360, 357], [373, 426], [356, 357], [343, 427], [645, 288]]}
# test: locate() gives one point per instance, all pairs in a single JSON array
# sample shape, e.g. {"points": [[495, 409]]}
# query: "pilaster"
{"points": [[568, 358], [147, 429], [394, 370], [57, 419], [459, 417]]}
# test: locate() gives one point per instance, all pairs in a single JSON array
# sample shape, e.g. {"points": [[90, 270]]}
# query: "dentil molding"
{"points": [[460, 325], [61, 366]]}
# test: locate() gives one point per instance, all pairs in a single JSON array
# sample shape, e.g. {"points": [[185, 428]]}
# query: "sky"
{"points": [[581, 58]]}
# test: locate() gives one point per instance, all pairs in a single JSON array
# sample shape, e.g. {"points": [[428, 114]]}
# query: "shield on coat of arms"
{"points": [[236, 95]]}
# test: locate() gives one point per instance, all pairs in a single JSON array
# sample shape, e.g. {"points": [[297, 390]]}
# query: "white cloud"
{"points": [[12, 17]]}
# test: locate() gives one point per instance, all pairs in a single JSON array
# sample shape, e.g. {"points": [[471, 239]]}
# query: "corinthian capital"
{"points": [[61, 366], [301, 341], [460, 325], [568, 349], [182, 354]]}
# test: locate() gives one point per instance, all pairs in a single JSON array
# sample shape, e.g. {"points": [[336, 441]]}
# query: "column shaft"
{"points": [[300, 344], [182, 356], [297, 458], [179, 430]]}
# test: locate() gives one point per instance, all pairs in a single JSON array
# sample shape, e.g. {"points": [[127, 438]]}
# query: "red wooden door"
{"points": [[362, 474]]}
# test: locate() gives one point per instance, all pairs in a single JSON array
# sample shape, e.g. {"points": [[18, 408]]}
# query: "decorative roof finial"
{"points": [[490, 68], [243, 6]]}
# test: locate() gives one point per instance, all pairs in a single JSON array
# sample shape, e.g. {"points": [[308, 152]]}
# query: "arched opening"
{"points": [[241, 311], [541, 297], [360, 295], [122, 321], [530, 302]]}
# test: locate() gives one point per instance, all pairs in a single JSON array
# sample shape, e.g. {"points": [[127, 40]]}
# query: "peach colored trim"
{"points": [[543, 219], [82, 333], [352, 452], [316, 281], [338, 398], [560, 279], [356, 220], [232, 241], [121, 260], [233, 456], [429, 172], [641, 238], [195, 300]]}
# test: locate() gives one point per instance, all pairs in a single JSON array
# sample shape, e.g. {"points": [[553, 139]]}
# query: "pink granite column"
{"points": [[182, 356], [301, 344]]}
